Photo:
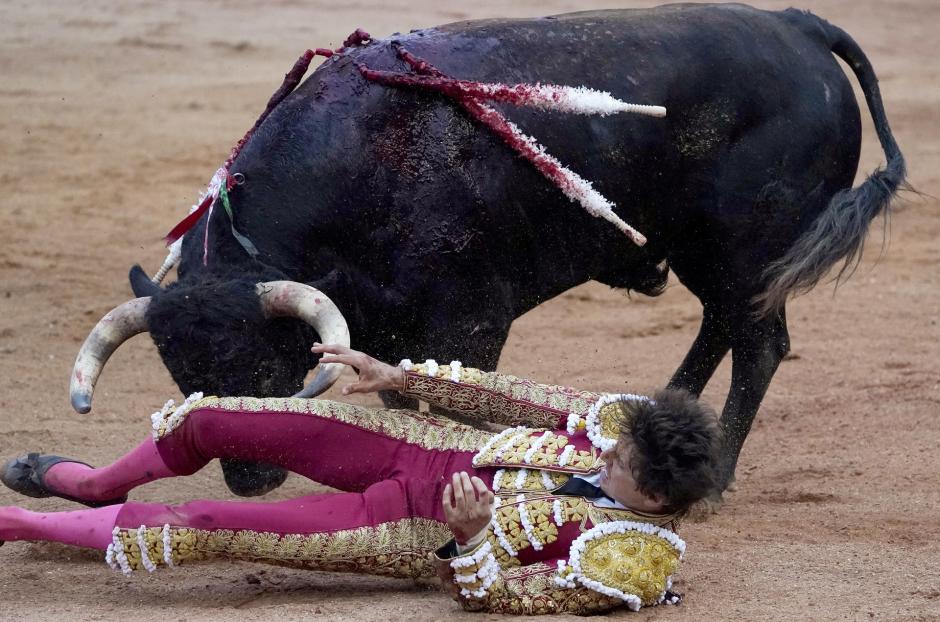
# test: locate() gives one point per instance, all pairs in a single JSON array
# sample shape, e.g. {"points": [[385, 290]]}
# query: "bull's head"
{"points": [[228, 337]]}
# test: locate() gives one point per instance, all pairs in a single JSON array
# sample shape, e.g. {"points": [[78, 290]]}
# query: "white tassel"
{"points": [[571, 99], [575, 187]]}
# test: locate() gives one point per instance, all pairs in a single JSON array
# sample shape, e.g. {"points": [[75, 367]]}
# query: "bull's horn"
{"points": [[292, 299], [119, 325]]}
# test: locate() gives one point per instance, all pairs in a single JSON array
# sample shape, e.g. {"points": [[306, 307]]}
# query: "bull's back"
{"points": [[718, 69], [722, 71], [725, 73]]}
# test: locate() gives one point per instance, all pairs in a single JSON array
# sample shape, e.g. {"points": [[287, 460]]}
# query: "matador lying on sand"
{"points": [[573, 509]]}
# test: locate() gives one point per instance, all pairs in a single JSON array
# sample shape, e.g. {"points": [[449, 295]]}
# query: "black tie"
{"points": [[577, 487]]}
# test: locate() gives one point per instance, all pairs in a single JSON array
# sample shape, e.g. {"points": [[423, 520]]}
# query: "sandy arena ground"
{"points": [[113, 117]]}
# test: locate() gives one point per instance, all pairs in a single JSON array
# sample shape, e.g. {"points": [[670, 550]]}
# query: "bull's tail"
{"points": [[839, 232]]}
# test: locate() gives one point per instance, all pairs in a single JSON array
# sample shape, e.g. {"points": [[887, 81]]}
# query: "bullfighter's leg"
{"points": [[756, 350], [387, 529], [706, 353], [339, 445]]}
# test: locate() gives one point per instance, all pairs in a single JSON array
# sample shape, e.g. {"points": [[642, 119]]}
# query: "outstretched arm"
{"points": [[492, 396], [487, 396]]}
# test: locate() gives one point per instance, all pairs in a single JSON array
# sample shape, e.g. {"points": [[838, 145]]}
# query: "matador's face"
{"points": [[617, 482]]}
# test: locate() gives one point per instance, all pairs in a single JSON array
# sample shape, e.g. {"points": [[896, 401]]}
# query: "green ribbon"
{"points": [[245, 242]]}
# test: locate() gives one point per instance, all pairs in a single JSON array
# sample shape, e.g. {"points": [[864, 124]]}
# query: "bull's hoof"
{"points": [[251, 479], [702, 510]]}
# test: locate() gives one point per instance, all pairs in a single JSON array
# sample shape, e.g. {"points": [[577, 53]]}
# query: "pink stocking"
{"points": [[91, 528], [138, 467]]}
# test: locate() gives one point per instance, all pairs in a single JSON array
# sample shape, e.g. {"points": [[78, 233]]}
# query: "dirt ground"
{"points": [[114, 115]]}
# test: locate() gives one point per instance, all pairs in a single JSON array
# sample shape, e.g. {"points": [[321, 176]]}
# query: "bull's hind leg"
{"points": [[757, 347], [706, 353]]}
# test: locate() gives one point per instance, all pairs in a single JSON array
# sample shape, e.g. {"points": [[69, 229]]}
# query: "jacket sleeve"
{"points": [[494, 397], [480, 585]]}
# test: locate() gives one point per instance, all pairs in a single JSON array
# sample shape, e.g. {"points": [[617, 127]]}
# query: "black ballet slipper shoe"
{"points": [[25, 476]]}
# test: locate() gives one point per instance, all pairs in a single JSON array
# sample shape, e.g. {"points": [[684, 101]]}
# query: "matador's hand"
{"points": [[374, 375], [468, 506]]}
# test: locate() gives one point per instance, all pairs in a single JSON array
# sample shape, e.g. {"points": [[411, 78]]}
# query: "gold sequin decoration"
{"points": [[467, 375], [533, 482], [584, 460], [531, 590], [546, 457], [611, 419], [541, 517], [498, 398], [395, 549], [632, 562], [541, 511]]}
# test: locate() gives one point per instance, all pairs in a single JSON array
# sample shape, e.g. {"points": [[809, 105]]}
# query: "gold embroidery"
{"points": [[468, 578], [514, 452], [505, 482], [541, 517], [492, 452], [575, 508], [548, 453], [586, 460], [396, 549], [467, 375], [531, 590], [611, 419], [633, 562], [182, 542], [503, 557], [511, 523], [541, 511], [424, 430], [498, 398]]}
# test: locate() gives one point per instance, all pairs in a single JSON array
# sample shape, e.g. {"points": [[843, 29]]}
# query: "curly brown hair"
{"points": [[675, 440]]}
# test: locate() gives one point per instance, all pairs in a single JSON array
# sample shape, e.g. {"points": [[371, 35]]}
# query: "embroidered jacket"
{"points": [[548, 553]]}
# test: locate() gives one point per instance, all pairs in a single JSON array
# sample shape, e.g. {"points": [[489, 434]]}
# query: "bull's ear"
{"points": [[141, 283]]}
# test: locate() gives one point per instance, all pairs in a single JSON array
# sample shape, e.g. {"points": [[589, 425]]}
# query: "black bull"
{"points": [[432, 236]]}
